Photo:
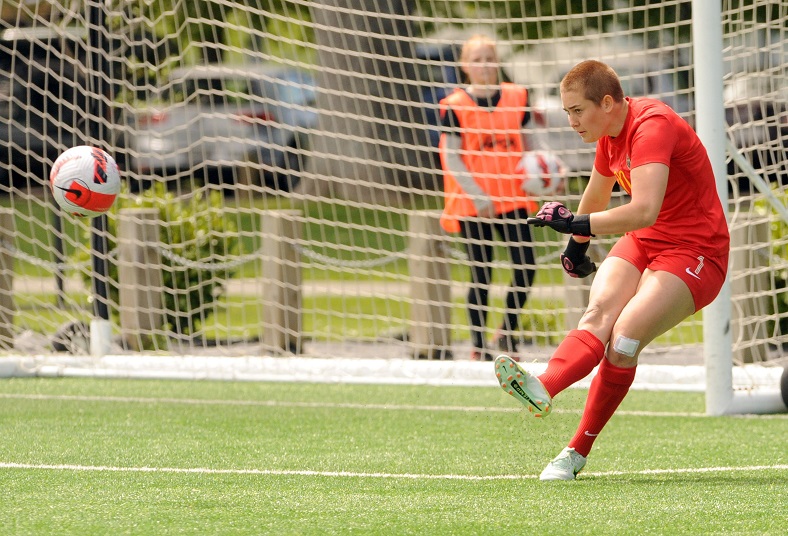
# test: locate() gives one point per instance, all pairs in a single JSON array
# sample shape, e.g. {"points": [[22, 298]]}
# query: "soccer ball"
{"points": [[544, 172], [85, 181]]}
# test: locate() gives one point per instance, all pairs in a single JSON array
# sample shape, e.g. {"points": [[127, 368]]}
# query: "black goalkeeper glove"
{"points": [[575, 261], [556, 216]]}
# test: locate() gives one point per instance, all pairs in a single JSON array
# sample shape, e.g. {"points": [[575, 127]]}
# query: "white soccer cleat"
{"points": [[565, 466], [523, 385]]}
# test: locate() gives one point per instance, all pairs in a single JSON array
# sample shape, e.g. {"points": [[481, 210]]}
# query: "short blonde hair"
{"points": [[595, 80], [475, 41]]}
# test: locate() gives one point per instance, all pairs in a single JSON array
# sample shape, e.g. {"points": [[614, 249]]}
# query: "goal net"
{"points": [[282, 183]]}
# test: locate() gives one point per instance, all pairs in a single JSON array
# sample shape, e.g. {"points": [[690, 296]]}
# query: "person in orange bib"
{"points": [[481, 146]]}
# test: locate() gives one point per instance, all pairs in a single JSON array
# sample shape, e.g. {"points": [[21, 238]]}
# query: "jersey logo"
{"points": [[623, 181]]}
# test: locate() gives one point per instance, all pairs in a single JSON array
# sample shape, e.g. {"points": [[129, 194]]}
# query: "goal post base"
{"points": [[760, 401], [100, 337]]}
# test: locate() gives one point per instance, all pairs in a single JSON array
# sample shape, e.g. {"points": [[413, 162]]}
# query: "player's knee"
{"points": [[592, 315], [626, 346], [625, 350], [595, 319]]}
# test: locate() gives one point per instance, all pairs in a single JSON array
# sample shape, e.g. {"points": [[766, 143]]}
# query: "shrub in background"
{"points": [[197, 233], [779, 256]]}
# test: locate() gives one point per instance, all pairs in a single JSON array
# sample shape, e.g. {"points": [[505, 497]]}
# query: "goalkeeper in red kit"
{"points": [[670, 262]]}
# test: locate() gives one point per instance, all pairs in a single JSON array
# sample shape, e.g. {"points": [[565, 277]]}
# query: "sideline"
{"points": [[350, 474], [355, 406], [321, 405]]}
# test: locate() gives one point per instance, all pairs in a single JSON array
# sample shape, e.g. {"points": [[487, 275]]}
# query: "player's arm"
{"points": [[596, 196], [649, 183], [653, 142]]}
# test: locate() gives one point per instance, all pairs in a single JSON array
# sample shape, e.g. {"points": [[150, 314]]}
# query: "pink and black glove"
{"points": [[556, 216], [575, 261]]}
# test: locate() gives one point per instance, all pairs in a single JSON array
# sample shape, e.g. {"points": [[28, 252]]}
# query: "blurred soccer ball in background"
{"points": [[544, 172], [85, 181]]}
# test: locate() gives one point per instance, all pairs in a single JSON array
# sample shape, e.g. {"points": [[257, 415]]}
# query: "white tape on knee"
{"points": [[626, 346]]}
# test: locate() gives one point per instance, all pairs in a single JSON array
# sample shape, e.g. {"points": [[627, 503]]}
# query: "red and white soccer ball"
{"points": [[85, 181], [544, 172]]}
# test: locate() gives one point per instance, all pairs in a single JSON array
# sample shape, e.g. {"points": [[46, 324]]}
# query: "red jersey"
{"points": [[691, 215], [491, 151]]}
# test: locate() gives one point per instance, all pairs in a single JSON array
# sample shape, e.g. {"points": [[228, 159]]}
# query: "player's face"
{"points": [[481, 66], [586, 118]]}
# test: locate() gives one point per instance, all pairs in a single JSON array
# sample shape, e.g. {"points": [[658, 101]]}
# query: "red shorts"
{"points": [[704, 275]]}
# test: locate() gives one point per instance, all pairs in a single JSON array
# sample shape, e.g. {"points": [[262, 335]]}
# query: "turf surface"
{"points": [[92, 456]]}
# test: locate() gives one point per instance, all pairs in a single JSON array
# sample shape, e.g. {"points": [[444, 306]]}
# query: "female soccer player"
{"points": [[481, 146], [670, 262]]}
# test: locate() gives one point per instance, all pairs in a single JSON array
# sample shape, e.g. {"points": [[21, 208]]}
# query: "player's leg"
{"points": [[661, 302], [582, 349], [614, 284], [478, 238]]}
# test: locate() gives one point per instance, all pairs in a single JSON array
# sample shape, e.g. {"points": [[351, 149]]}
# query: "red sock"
{"points": [[573, 360], [608, 388]]}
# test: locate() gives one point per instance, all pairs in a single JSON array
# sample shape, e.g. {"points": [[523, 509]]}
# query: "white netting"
{"points": [[286, 153]]}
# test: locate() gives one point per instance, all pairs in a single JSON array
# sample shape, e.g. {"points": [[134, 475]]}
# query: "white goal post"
{"points": [[718, 341], [282, 185]]}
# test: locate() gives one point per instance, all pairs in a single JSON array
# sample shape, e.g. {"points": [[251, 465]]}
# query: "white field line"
{"points": [[341, 405], [344, 405], [316, 405], [345, 474], [351, 474]]}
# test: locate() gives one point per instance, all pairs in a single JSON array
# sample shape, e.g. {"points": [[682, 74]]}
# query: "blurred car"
{"points": [[46, 103], [216, 119], [43, 101], [439, 68], [756, 111]]}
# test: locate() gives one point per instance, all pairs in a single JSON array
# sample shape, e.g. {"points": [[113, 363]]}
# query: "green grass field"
{"points": [[93, 456]]}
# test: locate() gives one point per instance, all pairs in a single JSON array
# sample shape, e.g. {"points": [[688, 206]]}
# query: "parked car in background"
{"points": [[439, 72], [43, 101], [217, 119]]}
